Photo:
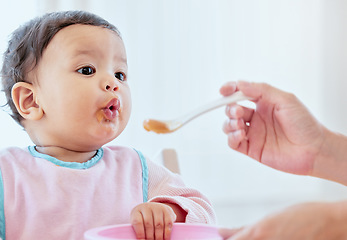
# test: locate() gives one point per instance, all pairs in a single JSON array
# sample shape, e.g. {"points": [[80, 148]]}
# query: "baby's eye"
{"points": [[120, 76], [86, 70]]}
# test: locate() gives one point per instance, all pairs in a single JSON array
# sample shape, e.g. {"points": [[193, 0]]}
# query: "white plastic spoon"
{"points": [[169, 126]]}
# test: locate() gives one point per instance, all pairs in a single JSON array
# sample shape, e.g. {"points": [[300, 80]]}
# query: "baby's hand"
{"points": [[152, 221]]}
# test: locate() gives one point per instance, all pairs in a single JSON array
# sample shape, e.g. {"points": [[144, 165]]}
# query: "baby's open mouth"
{"points": [[111, 110]]}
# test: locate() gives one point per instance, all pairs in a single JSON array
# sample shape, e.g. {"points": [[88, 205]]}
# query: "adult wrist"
{"points": [[331, 160]]}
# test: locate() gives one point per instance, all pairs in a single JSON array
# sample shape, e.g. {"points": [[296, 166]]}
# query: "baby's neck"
{"points": [[66, 155]]}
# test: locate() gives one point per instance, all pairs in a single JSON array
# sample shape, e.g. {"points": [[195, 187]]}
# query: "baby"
{"points": [[65, 79]]}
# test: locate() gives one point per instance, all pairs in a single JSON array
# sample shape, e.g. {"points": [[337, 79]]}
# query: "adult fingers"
{"points": [[236, 138], [235, 111], [262, 91], [233, 125], [226, 233], [243, 234], [228, 88]]}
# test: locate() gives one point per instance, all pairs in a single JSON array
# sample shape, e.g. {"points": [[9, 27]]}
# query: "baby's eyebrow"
{"points": [[124, 60], [94, 52], [121, 59], [84, 52]]}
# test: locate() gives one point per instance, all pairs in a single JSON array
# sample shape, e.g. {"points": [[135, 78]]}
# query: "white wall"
{"points": [[181, 51]]}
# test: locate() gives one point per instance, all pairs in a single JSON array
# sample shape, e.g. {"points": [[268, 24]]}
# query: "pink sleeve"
{"points": [[167, 187]]}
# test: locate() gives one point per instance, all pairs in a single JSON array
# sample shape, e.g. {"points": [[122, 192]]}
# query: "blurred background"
{"points": [[179, 54]]}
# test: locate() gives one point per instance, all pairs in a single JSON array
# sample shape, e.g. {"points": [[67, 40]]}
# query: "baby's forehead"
{"points": [[78, 37], [79, 32], [85, 40]]}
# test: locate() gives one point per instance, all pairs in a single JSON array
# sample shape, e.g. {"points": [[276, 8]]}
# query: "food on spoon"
{"points": [[172, 125], [156, 126]]}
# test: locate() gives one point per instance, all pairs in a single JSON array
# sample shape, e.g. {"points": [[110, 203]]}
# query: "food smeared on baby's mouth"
{"points": [[100, 115]]}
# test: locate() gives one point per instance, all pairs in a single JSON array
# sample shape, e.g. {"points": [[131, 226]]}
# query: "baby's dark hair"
{"points": [[28, 42]]}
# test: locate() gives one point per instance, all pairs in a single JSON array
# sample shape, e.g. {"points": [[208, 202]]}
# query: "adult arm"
{"points": [[309, 221]]}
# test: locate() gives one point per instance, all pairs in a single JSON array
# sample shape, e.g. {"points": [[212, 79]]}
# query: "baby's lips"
{"points": [[109, 114], [111, 110]]}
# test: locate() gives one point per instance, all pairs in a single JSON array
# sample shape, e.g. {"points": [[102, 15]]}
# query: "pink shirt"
{"points": [[42, 197]]}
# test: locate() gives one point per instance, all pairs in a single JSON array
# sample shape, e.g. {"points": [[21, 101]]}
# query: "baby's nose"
{"points": [[111, 87]]}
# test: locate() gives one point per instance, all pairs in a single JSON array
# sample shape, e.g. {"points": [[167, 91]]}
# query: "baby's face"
{"points": [[82, 87]]}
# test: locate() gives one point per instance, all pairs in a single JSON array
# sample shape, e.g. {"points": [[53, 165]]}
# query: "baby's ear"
{"points": [[24, 98]]}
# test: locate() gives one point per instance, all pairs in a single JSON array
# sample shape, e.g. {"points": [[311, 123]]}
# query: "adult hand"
{"points": [[280, 132], [309, 221]]}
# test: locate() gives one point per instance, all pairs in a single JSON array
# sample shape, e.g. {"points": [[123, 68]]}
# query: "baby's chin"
{"points": [[92, 142], [104, 132], [106, 137]]}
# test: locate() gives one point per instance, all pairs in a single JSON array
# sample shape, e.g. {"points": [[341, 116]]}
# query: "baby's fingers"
{"points": [[138, 225], [148, 223], [159, 225], [169, 219], [163, 218]]}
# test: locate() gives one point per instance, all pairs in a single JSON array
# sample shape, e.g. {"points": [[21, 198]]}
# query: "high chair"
{"points": [[168, 158]]}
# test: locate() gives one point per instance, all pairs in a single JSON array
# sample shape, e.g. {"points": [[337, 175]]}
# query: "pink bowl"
{"points": [[180, 231]]}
